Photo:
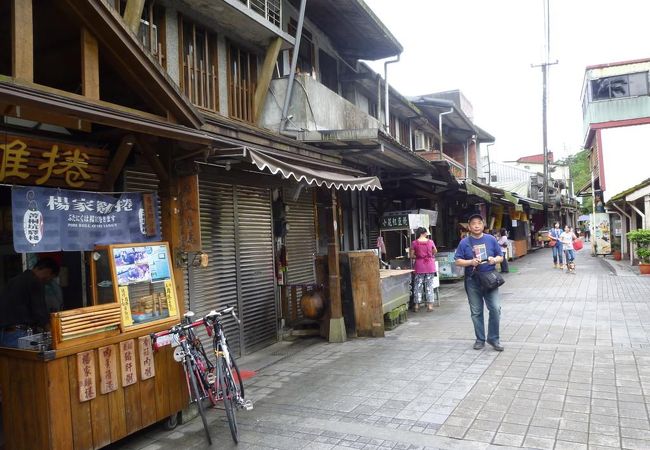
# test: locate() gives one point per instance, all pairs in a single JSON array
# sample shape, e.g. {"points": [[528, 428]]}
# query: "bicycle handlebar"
{"points": [[216, 314]]}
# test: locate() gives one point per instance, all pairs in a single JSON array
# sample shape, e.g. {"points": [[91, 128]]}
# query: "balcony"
{"points": [[317, 114], [616, 109], [252, 21], [457, 169], [271, 10]]}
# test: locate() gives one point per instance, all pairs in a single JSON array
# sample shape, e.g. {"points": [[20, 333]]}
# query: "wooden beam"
{"points": [[89, 64], [22, 32], [133, 13], [117, 163], [264, 79], [153, 159], [39, 115]]}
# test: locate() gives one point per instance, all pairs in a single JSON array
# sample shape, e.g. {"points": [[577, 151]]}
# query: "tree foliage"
{"points": [[581, 175]]}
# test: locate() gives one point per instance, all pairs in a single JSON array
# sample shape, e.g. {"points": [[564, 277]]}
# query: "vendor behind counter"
{"points": [[23, 308]]}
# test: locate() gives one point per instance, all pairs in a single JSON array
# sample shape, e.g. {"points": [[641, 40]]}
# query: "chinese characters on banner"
{"points": [[86, 375], [125, 305], [107, 369], [47, 219], [48, 163], [147, 367], [127, 362], [395, 221]]}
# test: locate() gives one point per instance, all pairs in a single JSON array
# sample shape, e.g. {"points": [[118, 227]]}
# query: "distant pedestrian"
{"points": [[554, 236], [480, 252], [422, 253], [503, 243], [587, 231], [567, 238]]}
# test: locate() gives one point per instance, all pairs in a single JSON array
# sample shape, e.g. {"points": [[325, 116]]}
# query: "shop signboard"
{"points": [[601, 234], [42, 162], [48, 219], [398, 220]]}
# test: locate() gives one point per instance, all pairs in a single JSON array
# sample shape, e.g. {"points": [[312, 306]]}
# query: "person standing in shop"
{"points": [[480, 252], [422, 253], [22, 303]]}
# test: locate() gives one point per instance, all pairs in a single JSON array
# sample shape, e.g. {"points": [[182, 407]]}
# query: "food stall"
{"points": [[93, 378]]}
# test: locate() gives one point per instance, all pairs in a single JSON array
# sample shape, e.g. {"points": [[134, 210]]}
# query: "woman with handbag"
{"points": [[554, 236], [422, 253], [479, 253]]}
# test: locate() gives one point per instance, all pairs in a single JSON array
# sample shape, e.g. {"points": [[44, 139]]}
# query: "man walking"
{"points": [[479, 252]]}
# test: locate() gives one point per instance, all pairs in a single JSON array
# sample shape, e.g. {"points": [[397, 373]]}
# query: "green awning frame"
{"points": [[535, 205], [477, 191], [510, 198]]}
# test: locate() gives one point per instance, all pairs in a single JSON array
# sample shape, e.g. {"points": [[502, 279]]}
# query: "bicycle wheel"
{"points": [[229, 391], [233, 365], [197, 397]]}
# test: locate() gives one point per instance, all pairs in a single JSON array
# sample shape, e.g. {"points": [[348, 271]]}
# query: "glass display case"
{"points": [[137, 276]]}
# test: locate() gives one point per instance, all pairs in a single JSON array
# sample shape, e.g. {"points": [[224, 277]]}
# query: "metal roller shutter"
{"points": [[215, 286], [300, 238], [256, 271], [236, 233]]}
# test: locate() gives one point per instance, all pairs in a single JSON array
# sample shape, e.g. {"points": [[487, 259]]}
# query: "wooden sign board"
{"points": [[86, 375], [150, 218], [127, 363], [107, 369], [188, 187], [147, 367], [42, 162]]}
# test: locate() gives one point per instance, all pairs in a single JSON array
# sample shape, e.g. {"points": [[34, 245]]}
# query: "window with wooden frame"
{"points": [[306, 53], [198, 52], [152, 27], [242, 81], [405, 133]]}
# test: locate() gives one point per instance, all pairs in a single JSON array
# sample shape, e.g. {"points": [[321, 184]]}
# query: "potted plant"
{"points": [[642, 240], [616, 250]]}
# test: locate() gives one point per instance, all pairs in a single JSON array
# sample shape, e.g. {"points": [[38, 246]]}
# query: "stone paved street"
{"points": [[575, 374]]}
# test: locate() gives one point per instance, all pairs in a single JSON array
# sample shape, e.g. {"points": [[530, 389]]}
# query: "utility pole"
{"points": [[544, 66]]}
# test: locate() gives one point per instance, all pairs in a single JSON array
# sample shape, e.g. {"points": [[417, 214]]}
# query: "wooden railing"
{"points": [[241, 100], [201, 85]]}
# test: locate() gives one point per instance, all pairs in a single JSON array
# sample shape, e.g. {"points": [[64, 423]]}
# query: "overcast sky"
{"points": [[485, 48]]}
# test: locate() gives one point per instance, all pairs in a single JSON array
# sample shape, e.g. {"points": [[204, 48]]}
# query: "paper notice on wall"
{"points": [[125, 305], [418, 220], [171, 298]]}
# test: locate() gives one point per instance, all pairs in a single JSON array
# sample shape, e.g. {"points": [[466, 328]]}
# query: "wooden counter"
{"points": [[41, 407]]}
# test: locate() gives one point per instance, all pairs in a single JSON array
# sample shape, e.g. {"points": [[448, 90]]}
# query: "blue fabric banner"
{"points": [[47, 219]]}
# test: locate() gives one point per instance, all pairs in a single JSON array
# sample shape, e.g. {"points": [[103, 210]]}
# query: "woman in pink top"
{"points": [[422, 252]]}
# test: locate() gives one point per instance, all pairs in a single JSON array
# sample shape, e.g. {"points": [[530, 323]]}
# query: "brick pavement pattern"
{"points": [[573, 375]]}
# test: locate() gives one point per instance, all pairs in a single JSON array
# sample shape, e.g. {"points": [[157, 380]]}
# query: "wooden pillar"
{"points": [[89, 64], [264, 79], [171, 225], [22, 32], [133, 13], [646, 207], [337, 324]]}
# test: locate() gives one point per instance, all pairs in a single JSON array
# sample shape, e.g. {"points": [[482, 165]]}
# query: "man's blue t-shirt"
{"points": [[482, 248]]}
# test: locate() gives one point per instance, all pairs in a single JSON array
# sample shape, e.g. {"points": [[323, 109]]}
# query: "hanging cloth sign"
{"points": [[48, 220]]}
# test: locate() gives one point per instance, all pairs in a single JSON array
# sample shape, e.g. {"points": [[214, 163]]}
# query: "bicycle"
{"points": [[228, 390], [199, 371]]}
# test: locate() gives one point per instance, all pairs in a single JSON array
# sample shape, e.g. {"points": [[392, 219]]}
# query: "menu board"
{"points": [[144, 281], [141, 264]]}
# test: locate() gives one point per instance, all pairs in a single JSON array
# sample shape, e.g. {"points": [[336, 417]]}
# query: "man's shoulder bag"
{"points": [[489, 280]]}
